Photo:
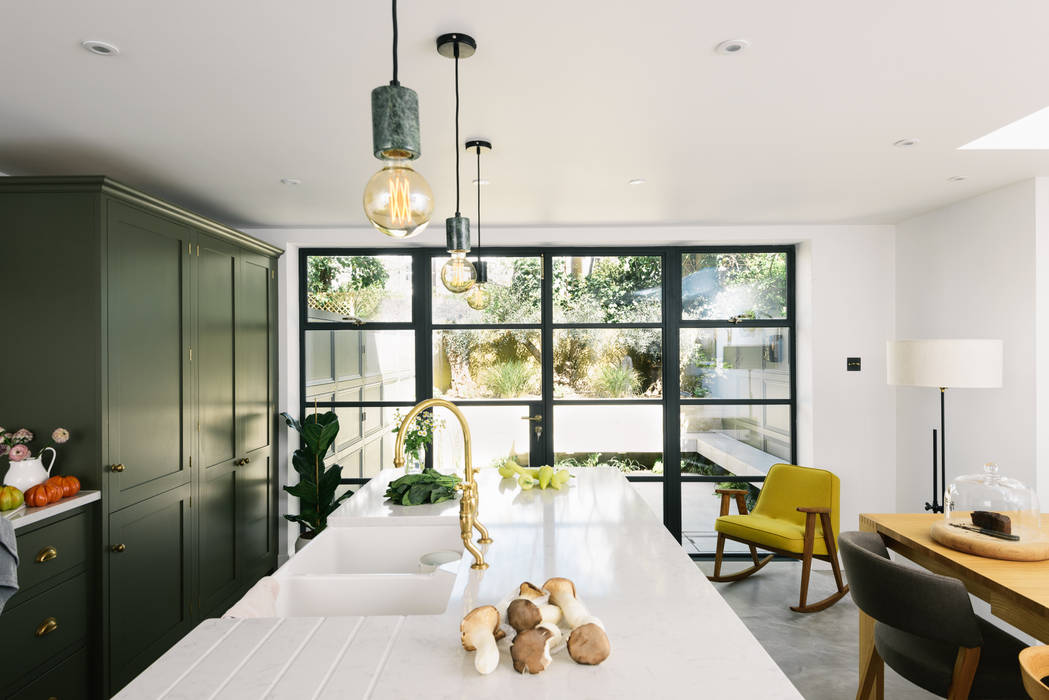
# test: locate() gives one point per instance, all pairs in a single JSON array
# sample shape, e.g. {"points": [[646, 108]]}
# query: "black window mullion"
{"points": [[672, 516], [547, 346]]}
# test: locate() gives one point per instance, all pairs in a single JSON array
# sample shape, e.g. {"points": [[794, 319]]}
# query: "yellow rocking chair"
{"points": [[796, 516]]}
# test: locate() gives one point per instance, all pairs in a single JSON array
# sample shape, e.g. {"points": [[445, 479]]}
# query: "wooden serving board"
{"points": [[987, 546]]}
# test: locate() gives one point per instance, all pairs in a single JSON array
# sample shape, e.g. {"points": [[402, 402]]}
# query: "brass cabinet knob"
{"points": [[118, 547], [46, 554], [47, 627], [117, 468], [242, 461]]}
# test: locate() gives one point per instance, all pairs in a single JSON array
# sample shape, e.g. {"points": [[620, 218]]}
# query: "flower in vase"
{"points": [[22, 435], [60, 435], [4, 449], [18, 453]]}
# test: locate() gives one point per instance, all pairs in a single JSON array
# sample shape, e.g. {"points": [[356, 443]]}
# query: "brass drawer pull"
{"points": [[46, 554], [47, 627], [117, 468], [118, 547]]}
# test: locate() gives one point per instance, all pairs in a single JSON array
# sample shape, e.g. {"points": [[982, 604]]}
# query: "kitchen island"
{"points": [[672, 634]]}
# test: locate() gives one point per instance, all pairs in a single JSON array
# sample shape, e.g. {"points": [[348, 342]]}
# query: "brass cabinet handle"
{"points": [[534, 419], [47, 627], [117, 468], [46, 554], [118, 547], [242, 461]]}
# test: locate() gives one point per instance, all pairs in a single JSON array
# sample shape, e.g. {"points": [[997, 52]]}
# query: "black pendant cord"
{"points": [[394, 81], [456, 50], [478, 204], [943, 445]]}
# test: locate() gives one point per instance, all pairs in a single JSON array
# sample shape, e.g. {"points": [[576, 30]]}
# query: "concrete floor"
{"points": [[817, 651]]}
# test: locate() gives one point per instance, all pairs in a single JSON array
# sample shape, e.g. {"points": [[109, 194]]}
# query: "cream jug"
{"points": [[29, 472]]}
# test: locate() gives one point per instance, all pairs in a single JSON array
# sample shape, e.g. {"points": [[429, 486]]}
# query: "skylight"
{"points": [[1028, 134]]}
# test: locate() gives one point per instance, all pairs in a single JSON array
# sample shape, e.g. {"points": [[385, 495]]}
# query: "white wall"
{"points": [[968, 270], [845, 305]]}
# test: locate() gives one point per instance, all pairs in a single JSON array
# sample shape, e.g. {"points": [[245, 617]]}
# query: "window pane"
{"points": [[727, 285], [627, 437], [369, 288], [700, 507], [735, 363], [608, 289], [497, 432], [608, 363], [743, 440], [360, 365], [515, 285], [486, 364]]}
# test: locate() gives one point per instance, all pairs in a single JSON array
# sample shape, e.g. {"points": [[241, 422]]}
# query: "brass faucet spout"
{"points": [[468, 503]]}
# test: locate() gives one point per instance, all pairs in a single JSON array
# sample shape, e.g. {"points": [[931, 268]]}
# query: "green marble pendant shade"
{"points": [[457, 233], [395, 123]]}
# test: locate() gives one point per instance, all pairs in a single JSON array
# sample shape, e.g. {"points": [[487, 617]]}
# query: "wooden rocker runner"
{"points": [[780, 525]]}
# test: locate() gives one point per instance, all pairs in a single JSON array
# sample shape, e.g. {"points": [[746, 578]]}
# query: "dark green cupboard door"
{"points": [[148, 313], [255, 415], [217, 273], [150, 549]]}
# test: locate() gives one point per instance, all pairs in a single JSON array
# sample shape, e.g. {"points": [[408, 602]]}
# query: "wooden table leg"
{"points": [[867, 645]]}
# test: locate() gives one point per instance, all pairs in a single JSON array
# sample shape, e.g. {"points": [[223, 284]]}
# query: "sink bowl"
{"points": [[366, 594], [373, 549]]}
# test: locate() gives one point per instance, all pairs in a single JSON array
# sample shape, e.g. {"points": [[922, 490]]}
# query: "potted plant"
{"points": [[25, 470], [317, 483]]}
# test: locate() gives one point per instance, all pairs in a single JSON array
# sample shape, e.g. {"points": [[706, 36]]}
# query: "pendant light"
{"points": [[397, 200], [458, 274], [479, 296]]}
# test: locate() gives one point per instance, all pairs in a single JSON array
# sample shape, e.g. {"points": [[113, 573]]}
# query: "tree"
{"points": [[354, 283]]}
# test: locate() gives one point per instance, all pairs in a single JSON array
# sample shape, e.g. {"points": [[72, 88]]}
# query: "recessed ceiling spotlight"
{"points": [[100, 48], [481, 181], [905, 143], [732, 46], [956, 178], [637, 181], [290, 181]]}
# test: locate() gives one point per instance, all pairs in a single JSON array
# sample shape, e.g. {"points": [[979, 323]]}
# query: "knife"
{"points": [[985, 531]]}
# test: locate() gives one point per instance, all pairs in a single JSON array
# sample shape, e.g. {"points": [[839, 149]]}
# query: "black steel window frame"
{"points": [[671, 323]]}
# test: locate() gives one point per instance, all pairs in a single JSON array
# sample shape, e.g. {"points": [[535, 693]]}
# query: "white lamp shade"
{"points": [[953, 363]]}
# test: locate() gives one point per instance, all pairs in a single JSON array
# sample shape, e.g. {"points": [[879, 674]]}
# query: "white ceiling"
{"points": [[212, 103]]}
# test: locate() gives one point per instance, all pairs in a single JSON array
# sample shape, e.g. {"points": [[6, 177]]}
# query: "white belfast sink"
{"points": [[373, 549], [372, 570]]}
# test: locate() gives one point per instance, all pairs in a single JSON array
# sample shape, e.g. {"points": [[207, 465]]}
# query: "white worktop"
{"points": [[27, 516], [671, 632]]}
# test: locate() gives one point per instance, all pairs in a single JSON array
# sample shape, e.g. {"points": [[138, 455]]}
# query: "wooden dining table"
{"points": [[1018, 592]]}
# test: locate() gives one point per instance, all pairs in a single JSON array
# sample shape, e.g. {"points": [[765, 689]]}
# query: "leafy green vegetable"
{"points": [[430, 486]]}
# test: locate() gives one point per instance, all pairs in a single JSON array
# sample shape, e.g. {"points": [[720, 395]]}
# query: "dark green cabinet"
{"points": [[161, 360]]}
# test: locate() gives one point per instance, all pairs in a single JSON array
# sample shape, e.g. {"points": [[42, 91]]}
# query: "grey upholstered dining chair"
{"points": [[925, 628]]}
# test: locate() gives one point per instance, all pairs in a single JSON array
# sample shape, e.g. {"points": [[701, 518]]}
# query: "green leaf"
{"points": [[327, 436], [302, 491], [419, 494], [292, 423]]}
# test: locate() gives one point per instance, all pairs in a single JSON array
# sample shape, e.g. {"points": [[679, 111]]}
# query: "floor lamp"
{"points": [[955, 364]]}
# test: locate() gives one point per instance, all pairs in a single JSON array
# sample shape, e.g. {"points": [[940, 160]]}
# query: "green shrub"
{"points": [[510, 379], [616, 381]]}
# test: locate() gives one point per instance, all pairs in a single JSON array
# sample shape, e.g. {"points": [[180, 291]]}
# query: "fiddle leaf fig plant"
{"points": [[317, 483]]}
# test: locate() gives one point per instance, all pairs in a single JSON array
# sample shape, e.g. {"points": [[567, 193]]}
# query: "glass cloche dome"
{"points": [[994, 502]]}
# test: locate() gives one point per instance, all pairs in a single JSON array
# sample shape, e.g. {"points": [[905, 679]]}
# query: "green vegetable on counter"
{"points": [[430, 486], [530, 477]]}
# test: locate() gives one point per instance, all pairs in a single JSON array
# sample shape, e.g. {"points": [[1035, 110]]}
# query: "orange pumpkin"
{"points": [[36, 496], [70, 486], [54, 491]]}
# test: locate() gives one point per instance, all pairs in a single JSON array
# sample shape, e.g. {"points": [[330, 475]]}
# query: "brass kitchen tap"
{"points": [[468, 503]]}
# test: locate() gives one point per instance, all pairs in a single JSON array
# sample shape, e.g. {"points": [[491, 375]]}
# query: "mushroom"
{"points": [[531, 650], [529, 591], [554, 630], [588, 644], [480, 629], [523, 614], [538, 597]]}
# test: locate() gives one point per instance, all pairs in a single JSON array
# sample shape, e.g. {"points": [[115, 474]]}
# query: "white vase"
{"points": [[415, 462], [28, 473]]}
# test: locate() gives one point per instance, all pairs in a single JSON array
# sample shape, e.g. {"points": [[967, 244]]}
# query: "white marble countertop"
{"points": [[671, 632], [27, 516]]}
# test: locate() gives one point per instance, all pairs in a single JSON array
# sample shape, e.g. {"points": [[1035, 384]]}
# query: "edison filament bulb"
{"points": [[398, 201], [458, 274], [478, 297]]}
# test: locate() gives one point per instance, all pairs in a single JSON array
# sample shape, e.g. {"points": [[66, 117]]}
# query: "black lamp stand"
{"points": [[936, 506]]}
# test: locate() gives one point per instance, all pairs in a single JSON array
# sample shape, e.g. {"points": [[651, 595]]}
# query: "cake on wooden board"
{"points": [[992, 521]]}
